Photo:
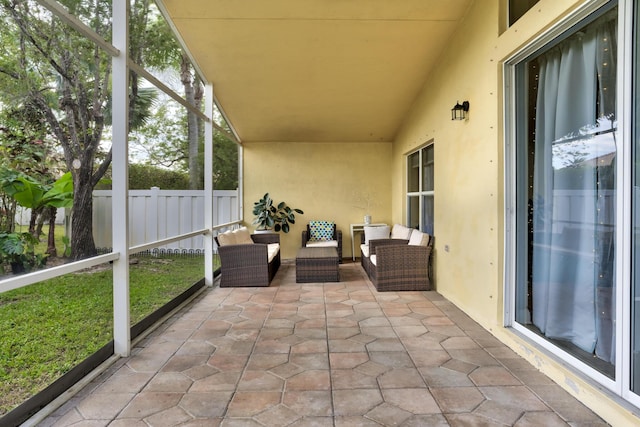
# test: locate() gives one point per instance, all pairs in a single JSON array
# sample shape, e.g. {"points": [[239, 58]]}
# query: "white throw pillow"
{"points": [[400, 232], [226, 238], [376, 232], [418, 238], [242, 236]]}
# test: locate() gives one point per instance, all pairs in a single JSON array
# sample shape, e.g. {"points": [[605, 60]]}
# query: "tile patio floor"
{"points": [[332, 354]]}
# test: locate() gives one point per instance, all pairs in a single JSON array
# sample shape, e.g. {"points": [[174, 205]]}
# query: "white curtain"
{"points": [[572, 213]]}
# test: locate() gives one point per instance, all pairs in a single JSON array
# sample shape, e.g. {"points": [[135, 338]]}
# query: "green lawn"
{"points": [[49, 327]]}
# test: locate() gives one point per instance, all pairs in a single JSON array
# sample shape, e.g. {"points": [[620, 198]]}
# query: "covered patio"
{"points": [[320, 354]]}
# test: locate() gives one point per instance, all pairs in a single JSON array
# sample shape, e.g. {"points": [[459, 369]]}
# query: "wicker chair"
{"points": [[400, 266], [247, 264], [335, 243]]}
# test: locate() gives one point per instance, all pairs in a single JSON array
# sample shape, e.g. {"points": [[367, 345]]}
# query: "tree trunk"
{"points": [[192, 123], [82, 243], [51, 237]]}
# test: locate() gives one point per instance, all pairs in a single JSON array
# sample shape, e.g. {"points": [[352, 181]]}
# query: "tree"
{"points": [[67, 77]]}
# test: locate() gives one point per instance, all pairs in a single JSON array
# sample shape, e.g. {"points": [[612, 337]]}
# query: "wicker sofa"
{"points": [[399, 264], [248, 259]]}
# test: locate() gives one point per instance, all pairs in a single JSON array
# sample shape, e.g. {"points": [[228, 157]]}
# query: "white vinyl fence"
{"points": [[158, 214]]}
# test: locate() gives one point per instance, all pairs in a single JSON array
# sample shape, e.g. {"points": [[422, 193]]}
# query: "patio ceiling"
{"points": [[315, 70]]}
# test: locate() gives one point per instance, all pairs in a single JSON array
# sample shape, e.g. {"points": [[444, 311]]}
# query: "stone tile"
{"points": [[310, 380], [401, 378], [260, 380], [498, 413], [183, 363], [104, 406], [309, 403], [310, 361], [535, 419], [277, 416], [200, 371], [417, 401], [355, 402], [388, 415], [342, 379], [310, 346], [347, 360], [386, 344], [171, 417], [457, 399], [438, 376], [173, 382], [146, 404], [266, 361], [287, 370], [220, 381], [478, 357], [392, 359], [379, 331], [515, 396], [435, 420], [341, 333], [429, 358], [354, 421], [125, 381], [493, 375], [250, 403], [460, 366], [228, 363], [313, 422], [459, 343], [410, 331]]}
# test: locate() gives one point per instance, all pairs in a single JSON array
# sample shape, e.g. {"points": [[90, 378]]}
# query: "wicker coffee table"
{"points": [[317, 265]]}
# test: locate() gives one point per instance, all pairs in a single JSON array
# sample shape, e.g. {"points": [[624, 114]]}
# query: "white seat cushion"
{"points": [[322, 244], [373, 259], [272, 250]]}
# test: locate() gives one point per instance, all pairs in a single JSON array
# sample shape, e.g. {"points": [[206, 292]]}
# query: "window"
{"points": [[420, 186], [566, 192], [517, 8]]}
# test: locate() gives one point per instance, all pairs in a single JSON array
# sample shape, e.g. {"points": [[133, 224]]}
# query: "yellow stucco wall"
{"points": [[326, 180], [468, 160], [470, 180]]}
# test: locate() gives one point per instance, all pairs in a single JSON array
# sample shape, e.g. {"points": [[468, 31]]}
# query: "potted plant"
{"points": [[269, 216], [17, 250]]}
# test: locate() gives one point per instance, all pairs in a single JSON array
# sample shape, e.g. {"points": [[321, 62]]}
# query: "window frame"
{"points": [[421, 193]]}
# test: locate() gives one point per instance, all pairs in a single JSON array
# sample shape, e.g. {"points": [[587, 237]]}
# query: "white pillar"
{"points": [[208, 185], [120, 183]]}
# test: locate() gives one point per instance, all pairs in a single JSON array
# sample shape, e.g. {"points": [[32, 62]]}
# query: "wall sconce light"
{"points": [[459, 111]]}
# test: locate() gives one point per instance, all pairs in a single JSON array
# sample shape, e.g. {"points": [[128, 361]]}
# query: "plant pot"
{"points": [[263, 231]]}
